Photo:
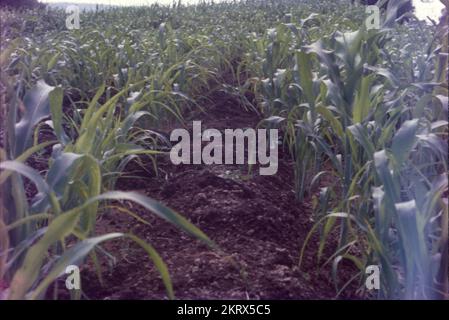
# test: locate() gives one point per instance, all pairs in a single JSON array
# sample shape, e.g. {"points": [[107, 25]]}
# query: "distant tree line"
{"points": [[406, 7], [21, 3]]}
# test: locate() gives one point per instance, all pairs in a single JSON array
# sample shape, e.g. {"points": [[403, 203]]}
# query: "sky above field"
{"points": [[431, 8]]}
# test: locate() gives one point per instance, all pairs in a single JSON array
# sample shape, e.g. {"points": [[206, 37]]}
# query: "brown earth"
{"points": [[255, 220]]}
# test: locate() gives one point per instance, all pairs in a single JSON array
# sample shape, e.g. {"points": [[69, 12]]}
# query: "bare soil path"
{"points": [[254, 219]]}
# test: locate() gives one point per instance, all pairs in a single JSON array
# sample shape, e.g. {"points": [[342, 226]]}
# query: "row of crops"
{"points": [[363, 114]]}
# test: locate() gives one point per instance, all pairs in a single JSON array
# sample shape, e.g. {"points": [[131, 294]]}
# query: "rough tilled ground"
{"points": [[255, 221]]}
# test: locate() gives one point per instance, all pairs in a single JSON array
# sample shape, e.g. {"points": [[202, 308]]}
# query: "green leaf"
{"points": [[158, 263], [158, 209], [37, 108], [56, 97], [404, 140], [65, 223], [53, 61], [72, 256], [28, 172], [304, 68], [362, 103], [360, 134]]}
